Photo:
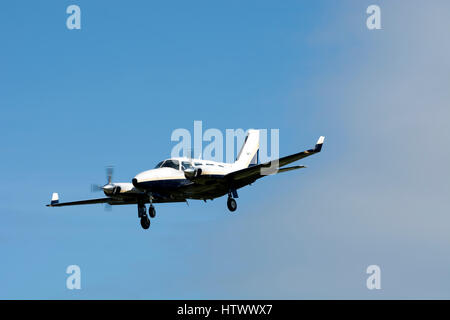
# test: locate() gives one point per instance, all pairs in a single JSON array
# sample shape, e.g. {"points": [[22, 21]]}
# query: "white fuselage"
{"points": [[169, 173]]}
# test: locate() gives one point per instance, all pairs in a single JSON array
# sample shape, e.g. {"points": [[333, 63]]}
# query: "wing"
{"points": [[250, 174], [81, 202], [112, 201]]}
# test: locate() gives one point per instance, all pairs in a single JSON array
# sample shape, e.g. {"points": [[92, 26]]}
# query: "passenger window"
{"points": [[186, 165]]}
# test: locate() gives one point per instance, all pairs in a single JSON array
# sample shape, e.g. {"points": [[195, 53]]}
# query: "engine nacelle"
{"points": [[192, 173], [116, 190]]}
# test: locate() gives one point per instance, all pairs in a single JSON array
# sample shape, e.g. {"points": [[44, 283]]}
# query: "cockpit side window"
{"points": [[171, 164], [186, 165], [159, 165]]}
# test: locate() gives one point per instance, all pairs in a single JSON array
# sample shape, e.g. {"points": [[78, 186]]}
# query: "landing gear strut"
{"points": [[142, 214], [151, 209]]}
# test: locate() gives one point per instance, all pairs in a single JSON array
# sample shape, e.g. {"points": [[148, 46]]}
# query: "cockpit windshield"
{"points": [[171, 164], [159, 165]]}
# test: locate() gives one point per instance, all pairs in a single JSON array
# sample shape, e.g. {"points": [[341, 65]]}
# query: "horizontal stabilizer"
{"points": [[290, 168]]}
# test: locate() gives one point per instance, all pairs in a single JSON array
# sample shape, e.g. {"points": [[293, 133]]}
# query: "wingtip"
{"points": [[319, 144], [55, 199]]}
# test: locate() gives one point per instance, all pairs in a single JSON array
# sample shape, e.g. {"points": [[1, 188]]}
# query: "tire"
{"points": [[152, 211], [231, 204], [145, 222]]}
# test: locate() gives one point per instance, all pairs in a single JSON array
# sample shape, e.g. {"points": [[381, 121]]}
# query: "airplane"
{"points": [[182, 178]]}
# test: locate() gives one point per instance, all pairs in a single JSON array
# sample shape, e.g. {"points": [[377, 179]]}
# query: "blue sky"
{"points": [[72, 102]]}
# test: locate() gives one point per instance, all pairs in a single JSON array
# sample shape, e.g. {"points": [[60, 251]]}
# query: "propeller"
{"points": [[107, 187], [109, 175]]}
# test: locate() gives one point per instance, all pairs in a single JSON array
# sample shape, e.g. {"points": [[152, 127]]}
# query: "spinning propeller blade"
{"points": [[109, 173], [96, 188]]}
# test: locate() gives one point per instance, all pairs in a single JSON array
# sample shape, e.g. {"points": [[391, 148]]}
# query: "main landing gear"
{"points": [[142, 214], [231, 203], [152, 211], [145, 222]]}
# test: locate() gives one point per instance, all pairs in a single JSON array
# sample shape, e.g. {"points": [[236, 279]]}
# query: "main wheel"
{"points": [[145, 222], [152, 211], [231, 204]]}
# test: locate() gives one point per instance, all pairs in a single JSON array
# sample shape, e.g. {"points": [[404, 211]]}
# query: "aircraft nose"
{"points": [[138, 179]]}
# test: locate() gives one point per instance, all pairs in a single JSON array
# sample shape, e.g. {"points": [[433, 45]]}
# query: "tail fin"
{"points": [[249, 150]]}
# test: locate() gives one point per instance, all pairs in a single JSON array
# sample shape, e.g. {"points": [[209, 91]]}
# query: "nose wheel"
{"points": [[231, 204]]}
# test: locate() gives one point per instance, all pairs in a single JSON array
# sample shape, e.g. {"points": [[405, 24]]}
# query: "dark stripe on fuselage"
{"points": [[185, 186]]}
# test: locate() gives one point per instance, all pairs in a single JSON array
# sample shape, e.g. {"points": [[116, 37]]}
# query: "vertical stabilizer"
{"points": [[249, 150]]}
